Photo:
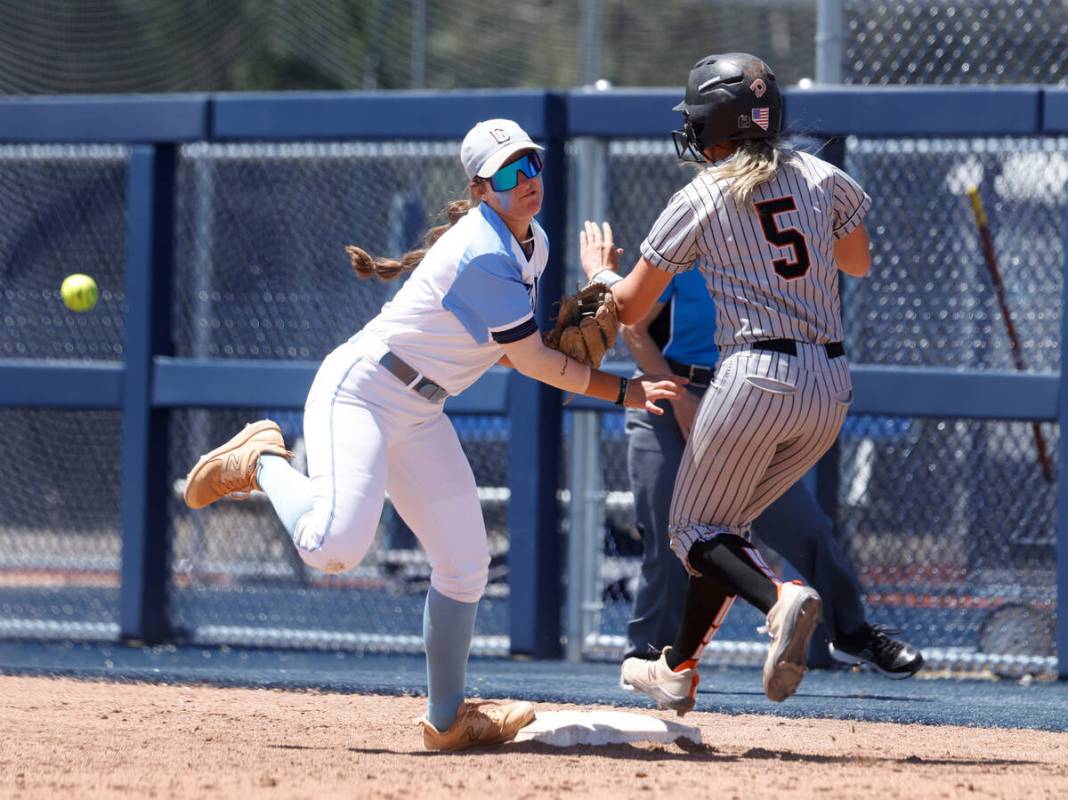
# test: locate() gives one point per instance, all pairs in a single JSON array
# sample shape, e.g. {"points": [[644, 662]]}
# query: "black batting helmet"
{"points": [[729, 96]]}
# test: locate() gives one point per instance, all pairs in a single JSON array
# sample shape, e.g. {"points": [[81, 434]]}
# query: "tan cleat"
{"points": [[477, 725], [231, 469], [791, 623]]}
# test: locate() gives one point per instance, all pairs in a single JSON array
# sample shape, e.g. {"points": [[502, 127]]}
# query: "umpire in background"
{"points": [[677, 336]]}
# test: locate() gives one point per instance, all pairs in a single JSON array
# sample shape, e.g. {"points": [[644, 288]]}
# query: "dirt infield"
{"points": [[65, 738]]}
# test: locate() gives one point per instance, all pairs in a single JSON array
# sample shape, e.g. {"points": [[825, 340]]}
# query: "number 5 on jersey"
{"points": [[784, 237]]}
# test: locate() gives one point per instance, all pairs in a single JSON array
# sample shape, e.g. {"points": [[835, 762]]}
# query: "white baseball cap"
{"points": [[490, 143]]}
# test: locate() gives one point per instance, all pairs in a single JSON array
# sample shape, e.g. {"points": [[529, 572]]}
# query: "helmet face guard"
{"points": [[687, 143]]}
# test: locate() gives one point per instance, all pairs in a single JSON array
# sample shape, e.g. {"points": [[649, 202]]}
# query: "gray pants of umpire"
{"points": [[794, 526]]}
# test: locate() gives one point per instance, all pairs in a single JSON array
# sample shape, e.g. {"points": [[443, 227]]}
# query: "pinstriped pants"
{"points": [[764, 422]]}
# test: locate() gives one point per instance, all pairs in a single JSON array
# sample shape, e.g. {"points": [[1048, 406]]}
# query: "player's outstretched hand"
{"points": [[645, 390], [597, 251]]}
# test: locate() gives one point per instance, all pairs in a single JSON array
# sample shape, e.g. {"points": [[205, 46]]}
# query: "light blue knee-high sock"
{"points": [[290, 491], [448, 626]]}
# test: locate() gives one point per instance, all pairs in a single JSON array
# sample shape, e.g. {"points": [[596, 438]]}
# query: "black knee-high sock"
{"points": [[705, 598], [735, 561]]}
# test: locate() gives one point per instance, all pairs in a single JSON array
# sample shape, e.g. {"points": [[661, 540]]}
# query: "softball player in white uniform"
{"points": [[771, 229], [374, 418]]}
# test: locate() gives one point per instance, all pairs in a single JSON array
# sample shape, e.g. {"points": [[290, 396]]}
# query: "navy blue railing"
{"points": [[150, 381]]}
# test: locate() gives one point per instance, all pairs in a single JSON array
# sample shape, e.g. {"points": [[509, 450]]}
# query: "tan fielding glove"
{"points": [[586, 325]]}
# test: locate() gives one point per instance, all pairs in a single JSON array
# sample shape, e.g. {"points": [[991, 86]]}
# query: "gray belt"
{"points": [[407, 374]]}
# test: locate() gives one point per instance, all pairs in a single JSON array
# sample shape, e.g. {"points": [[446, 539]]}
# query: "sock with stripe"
{"points": [[704, 600], [736, 563], [448, 626], [289, 491]]}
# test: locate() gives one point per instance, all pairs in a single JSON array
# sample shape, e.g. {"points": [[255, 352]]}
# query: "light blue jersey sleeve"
{"points": [[491, 300]]}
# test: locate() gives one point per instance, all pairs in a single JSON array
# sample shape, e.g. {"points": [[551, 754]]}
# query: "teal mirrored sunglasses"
{"points": [[507, 177]]}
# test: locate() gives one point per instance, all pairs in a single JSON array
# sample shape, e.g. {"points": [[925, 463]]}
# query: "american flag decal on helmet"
{"points": [[761, 117]]}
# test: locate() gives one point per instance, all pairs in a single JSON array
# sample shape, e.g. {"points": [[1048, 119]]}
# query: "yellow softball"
{"points": [[79, 292]]}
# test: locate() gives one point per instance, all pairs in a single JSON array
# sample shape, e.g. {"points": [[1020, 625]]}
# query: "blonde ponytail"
{"points": [[386, 269], [756, 161]]}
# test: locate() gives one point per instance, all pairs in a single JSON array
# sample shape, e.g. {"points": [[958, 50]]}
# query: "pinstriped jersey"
{"points": [[770, 264]]}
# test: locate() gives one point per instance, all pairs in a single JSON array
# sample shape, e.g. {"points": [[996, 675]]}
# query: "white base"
{"points": [[569, 728]]}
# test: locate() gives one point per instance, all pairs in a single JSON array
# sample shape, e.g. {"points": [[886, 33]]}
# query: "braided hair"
{"points": [[367, 266]]}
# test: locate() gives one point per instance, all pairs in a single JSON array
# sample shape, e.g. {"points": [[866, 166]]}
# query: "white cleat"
{"points": [[791, 623], [674, 689]]}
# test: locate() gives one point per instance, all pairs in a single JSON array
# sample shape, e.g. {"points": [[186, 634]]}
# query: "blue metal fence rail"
{"points": [[150, 381]]}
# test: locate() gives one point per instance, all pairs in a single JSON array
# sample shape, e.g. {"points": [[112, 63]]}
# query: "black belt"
{"points": [[789, 346], [408, 374], [699, 376]]}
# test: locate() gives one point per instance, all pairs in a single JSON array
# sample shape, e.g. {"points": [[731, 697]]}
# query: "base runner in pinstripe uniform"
{"points": [[678, 335], [770, 229]]}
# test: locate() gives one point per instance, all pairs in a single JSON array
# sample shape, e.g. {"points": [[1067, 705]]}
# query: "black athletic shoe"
{"points": [[872, 645], [648, 653]]}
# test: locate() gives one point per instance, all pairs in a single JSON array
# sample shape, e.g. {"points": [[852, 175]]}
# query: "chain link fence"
{"points": [[262, 228], [65, 46], [64, 211], [949, 522], [955, 41], [931, 301]]}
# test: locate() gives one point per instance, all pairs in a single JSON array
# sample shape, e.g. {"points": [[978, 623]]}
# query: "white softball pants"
{"points": [[765, 421], [367, 434]]}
